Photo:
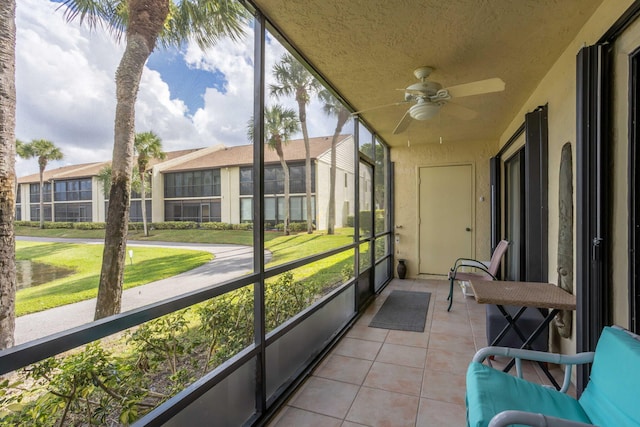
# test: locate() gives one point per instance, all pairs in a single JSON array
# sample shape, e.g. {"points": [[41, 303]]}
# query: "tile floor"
{"points": [[380, 377]]}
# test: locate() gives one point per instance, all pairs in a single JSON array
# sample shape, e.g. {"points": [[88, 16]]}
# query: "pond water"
{"points": [[31, 273]]}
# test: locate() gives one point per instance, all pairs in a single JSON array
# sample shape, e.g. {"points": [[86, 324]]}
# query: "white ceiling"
{"points": [[367, 49]]}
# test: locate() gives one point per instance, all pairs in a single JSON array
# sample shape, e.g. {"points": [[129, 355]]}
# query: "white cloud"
{"points": [[65, 82]]}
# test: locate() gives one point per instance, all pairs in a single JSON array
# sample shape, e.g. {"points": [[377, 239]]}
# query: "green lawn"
{"points": [[236, 237], [155, 263], [150, 264]]}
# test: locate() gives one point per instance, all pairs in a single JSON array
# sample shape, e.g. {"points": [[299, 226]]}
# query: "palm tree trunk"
{"points": [[146, 20], [41, 204], [7, 171], [143, 206], [307, 164]]}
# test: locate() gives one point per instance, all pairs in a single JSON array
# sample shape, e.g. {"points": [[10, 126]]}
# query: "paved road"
{"points": [[230, 261]]}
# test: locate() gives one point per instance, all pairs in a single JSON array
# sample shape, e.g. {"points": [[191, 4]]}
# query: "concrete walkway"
{"points": [[230, 261]]}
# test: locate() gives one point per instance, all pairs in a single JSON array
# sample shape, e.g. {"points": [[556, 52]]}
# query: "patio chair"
{"points": [[610, 399], [487, 271]]}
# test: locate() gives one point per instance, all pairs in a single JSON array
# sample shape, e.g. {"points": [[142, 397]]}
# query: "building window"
{"points": [[135, 210], [34, 192], [72, 212], [246, 209], [274, 179], [206, 210], [74, 189], [35, 212], [202, 183]]}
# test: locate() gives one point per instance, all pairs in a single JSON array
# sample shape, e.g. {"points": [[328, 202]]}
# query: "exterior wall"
{"points": [[344, 166], [407, 161], [558, 90], [157, 196], [97, 201]]}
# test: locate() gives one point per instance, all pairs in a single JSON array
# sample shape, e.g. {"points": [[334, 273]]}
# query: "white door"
{"points": [[446, 216]]}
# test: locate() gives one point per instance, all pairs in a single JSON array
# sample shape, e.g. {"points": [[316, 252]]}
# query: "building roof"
{"points": [[242, 155], [87, 170]]}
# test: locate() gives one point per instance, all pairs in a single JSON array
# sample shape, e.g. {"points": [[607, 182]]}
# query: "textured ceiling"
{"points": [[367, 49]]}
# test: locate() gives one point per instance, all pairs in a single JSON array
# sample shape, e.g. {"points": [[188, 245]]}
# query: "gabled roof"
{"points": [[242, 155], [87, 170], [83, 170]]}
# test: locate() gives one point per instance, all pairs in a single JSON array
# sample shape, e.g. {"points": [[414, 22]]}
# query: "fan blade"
{"points": [[403, 124], [476, 88], [379, 107], [460, 112]]}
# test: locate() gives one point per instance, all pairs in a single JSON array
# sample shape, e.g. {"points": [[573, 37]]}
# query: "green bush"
{"points": [[34, 224], [294, 227], [52, 225], [89, 225], [244, 226], [216, 226], [93, 386], [175, 225]]}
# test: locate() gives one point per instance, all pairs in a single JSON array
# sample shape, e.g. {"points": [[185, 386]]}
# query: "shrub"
{"points": [[216, 226], [34, 224], [244, 226], [175, 225], [89, 225], [53, 225]]}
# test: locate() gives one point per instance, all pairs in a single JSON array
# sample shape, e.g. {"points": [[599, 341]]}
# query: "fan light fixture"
{"points": [[424, 110]]}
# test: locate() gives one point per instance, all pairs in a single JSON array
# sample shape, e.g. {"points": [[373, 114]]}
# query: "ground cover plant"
{"points": [[115, 381], [150, 264]]}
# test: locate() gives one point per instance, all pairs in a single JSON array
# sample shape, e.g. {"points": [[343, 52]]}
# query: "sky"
{"points": [[65, 86]]}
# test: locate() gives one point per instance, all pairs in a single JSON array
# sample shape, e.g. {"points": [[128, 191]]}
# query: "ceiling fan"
{"points": [[428, 97]]}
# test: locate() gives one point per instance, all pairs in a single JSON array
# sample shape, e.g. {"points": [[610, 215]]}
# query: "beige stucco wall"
{"points": [[558, 90], [408, 160]]}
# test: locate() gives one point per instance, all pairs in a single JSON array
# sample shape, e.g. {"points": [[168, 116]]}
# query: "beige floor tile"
{"points": [[364, 332], [342, 368], [294, 417], [412, 339], [327, 397], [444, 386], [402, 355], [401, 379], [350, 424], [457, 343], [447, 361], [433, 413], [374, 407], [361, 349], [451, 327]]}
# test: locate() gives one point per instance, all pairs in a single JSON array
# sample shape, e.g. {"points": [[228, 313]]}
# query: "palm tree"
{"points": [[148, 145], [145, 22], [295, 80], [45, 151], [7, 171], [279, 124], [333, 107]]}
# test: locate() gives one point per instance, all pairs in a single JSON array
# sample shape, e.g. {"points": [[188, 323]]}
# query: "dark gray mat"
{"points": [[403, 311]]}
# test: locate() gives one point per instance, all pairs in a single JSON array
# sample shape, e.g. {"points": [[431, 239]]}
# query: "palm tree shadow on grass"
{"points": [[43, 251]]}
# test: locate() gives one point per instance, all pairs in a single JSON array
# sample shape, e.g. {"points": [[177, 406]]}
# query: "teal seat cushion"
{"points": [[490, 391], [611, 397]]}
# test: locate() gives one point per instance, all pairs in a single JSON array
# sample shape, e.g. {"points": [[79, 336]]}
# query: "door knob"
{"points": [[468, 228]]}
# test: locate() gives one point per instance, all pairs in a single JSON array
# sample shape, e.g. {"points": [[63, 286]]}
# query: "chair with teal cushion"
{"points": [[611, 398]]}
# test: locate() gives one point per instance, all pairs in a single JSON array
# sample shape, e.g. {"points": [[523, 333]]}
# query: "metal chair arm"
{"points": [[537, 356], [507, 418]]}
